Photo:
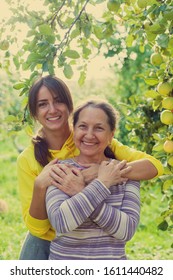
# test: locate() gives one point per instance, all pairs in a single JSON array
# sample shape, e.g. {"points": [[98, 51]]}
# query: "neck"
{"points": [[56, 139]]}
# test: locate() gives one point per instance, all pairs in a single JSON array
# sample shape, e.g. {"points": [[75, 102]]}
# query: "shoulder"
{"points": [[28, 152]]}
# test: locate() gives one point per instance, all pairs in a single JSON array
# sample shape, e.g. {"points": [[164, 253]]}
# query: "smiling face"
{"points": [[51, 114], [92, 134]]}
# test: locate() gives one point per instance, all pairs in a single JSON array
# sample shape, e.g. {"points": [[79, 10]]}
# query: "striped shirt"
{"points": [[95, 223]]}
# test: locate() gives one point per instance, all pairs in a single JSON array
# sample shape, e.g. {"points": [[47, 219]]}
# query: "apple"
{"points": [[164, 88], [170, 161], [147, 24], [3, 206], [168, 146], [166, 117], [113, 5], [156, 59], [142, 4], [4, 45], [167, 103]]}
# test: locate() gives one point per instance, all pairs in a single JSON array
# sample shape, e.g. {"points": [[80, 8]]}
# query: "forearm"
{"points": [[67, 213], [141, 170], [38, 207], [119, 217]]}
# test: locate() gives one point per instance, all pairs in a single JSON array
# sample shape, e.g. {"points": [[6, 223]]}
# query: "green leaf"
{"points": [[167, 185], [19, 86], [71, 54], [156, 104], [45, 29], [163, 40], [76, 32], [86, 52], [129, 40], [82, 78], [163, 225], [151, 93], [68, 72], [98, 32], [151, 81], [11, 118], [158, 147]]}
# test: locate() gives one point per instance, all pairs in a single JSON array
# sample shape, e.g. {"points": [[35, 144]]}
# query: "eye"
{"points": [[99, 128], [57, 101], [82, 126], [42, 104]]}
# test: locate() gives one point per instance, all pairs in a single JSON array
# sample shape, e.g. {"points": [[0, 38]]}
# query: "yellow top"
{"points": [[28, 169]]}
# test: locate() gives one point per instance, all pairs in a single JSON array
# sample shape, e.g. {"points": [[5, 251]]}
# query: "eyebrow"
{"points": [[94, 124], [41, 100]]}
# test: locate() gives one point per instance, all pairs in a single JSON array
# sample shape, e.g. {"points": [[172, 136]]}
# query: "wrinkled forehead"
{"points": [[91, 114]]}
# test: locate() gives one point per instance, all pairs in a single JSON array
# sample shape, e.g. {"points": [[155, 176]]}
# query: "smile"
{"points": [[53, 118], [89, 143]]}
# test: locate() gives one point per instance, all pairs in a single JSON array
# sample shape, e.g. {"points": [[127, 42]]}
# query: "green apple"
{"points": [[156, 59], [142, 4], [113, 5], [166, 117], [168, 146], [164, 88], [167, 103]]}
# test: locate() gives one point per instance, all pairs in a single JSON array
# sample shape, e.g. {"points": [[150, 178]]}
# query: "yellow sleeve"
{"points": [[27, 172], [123, 152]]}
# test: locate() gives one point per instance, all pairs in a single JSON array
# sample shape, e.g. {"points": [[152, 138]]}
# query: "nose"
{"points": [[52, 108], [89, 134]]}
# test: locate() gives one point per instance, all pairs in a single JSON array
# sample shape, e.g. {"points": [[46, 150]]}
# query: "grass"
{"points": [[147, 243]]}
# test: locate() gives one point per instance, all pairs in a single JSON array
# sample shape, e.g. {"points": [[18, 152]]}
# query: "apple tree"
{"points": [[66, 35]]}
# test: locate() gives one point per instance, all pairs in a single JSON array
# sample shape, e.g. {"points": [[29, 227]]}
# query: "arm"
{"points": [[120, 223], [27, 171], [142, 169], [67, 213], [144, 166]]}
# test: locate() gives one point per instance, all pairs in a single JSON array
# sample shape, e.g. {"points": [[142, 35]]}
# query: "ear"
{"points": [[111, 136], [113, 133]]}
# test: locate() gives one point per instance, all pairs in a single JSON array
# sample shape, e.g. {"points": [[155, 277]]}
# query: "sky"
{"points": [[98, 67]]}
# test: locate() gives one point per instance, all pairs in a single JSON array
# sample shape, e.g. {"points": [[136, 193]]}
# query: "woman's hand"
{"points": [[45, 179], [111, 173], [90, 172], [67, 178]]}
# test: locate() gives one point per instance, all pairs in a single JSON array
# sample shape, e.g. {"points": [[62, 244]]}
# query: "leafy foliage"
{"points": [[137, 35]]}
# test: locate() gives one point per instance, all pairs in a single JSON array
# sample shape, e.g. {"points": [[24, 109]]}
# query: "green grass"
{"points": [[147, 243]]}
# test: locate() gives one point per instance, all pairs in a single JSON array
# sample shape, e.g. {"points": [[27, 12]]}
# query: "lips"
{"points": [[54, 118], [88, 143]]}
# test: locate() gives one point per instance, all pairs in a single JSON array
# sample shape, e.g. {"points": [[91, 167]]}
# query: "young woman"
{"points": [[96, 222], [50, 104]]}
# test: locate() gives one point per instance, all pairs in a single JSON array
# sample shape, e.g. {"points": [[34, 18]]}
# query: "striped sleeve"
{"points": [[67, 213], [120, 223]]}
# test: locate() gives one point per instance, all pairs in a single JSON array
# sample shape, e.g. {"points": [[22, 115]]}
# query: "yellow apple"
{"points": [[168, 146], [156, 59], [166, 117], [142, 4], [164, 88], [167, 103], [113, 5]]}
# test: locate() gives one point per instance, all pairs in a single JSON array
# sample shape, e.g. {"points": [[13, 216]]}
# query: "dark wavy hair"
{"points": [[111, 113], [59, 88]]}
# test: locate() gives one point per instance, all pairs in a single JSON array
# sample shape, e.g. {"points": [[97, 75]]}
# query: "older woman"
{"points": [[96, 222]]}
